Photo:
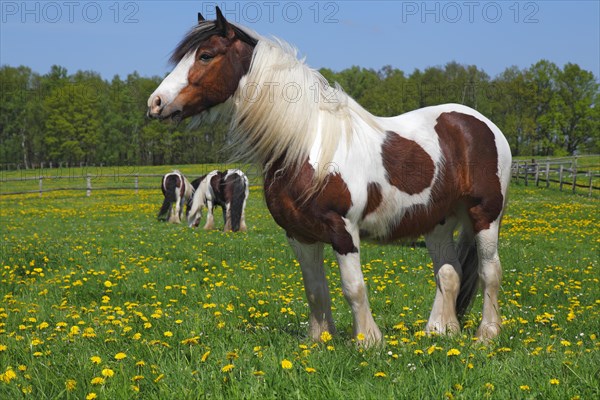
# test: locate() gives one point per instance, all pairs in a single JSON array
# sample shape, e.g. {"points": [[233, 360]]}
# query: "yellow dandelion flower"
{"points": [[453, 352], [159, 378], [8, 376], [107, 372], [287, 364], [431, 349], [108, 284], [3, 347], [258, 373], [95, 360], [227, 368], [205, 356], [380, 374], [98, 380], [418, 352], [70, 385], [554, 381], [326, 337], [91, 396], [168, 334], [525, 388], [120, 356], [310, 370], [360, 337]]}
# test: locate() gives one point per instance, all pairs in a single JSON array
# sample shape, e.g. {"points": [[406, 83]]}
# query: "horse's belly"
{"points": [[402, 216]]}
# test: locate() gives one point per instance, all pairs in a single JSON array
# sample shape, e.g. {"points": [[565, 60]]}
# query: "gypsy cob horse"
{"points": [[334, 173], [177, 191], [229, 190]]}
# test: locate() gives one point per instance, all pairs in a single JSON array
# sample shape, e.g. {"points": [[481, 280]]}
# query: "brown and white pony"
{"points": [[229, 190], [177, 191], [333, 172]]}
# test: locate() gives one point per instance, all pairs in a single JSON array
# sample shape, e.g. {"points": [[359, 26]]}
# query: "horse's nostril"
{"points": [[157, 101]]}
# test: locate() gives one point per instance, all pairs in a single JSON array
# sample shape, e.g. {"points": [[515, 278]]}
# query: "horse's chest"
{"points": [[305, 212]]}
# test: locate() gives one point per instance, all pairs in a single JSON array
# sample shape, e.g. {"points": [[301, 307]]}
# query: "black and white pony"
{"points": [[228, 189], [177, 191]]}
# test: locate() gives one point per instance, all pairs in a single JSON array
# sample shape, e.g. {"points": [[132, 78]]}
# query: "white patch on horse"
{"points": [[170, 87]]}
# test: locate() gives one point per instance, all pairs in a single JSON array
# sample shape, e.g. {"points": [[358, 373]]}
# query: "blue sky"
{"points": [[113, 37]]}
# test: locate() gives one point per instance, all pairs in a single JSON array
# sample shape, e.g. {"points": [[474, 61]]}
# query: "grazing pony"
{"points": [[177, 191], [333, 172], [229, 190]]}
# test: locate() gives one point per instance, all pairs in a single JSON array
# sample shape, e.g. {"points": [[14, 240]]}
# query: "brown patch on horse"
{"points": [[471, 144], [408, 166], [317, 218], [468, 178], [181, 186], [213, 81], [215, 183], [374, 198]]}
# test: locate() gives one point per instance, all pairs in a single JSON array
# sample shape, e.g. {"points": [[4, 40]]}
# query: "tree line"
{"points": [[81, 118]]}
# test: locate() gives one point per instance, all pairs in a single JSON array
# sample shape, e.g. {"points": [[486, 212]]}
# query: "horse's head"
{"points": [[210, 61]]}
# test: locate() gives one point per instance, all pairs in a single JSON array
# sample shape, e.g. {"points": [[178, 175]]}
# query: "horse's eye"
{"points": [[205, 57]]}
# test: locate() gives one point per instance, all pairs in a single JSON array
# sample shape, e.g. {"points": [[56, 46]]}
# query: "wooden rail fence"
{"points": [[90, 182], [563, 173]]}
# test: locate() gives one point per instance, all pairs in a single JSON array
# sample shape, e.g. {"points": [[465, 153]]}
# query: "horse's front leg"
{"points": [[355, 290], [310, 257], [210, 219], [181, 207]]}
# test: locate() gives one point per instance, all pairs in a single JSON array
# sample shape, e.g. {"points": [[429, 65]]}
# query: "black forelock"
{"points": [[202, 32]]}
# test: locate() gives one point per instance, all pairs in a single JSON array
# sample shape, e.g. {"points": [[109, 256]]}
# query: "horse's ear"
{"points": [[221, 22], [201, 18]]}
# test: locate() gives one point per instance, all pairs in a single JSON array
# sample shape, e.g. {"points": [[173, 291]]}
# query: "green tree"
{"points": [[577, 108], [72, 126]]}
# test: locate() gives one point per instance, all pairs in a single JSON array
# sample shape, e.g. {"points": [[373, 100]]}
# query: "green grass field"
{"points": [[100, 300]]}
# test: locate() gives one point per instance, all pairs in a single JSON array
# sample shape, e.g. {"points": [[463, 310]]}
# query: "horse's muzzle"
{"points": [[157, 109]]}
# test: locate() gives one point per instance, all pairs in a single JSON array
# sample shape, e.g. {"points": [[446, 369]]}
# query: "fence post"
{"points": [[547, 174], [560, 176], [537, 174], [526, 169], [574, 178], [89, 185], [41, 185], [591, 181]]}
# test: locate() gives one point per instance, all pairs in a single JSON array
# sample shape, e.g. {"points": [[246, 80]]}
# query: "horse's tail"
{"points": [[469, 260], [240, 188], [169, 186]]}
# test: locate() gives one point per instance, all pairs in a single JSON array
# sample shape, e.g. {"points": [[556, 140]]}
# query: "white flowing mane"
{"points": [[282, 109]]}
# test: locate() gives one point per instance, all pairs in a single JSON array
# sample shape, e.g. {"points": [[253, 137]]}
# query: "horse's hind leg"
{"points": [[310, 257], [227, 217], [490, 272], [447, 270]]}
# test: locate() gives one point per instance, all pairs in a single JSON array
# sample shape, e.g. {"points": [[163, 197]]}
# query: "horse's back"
{"points": [[421, 124]]}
